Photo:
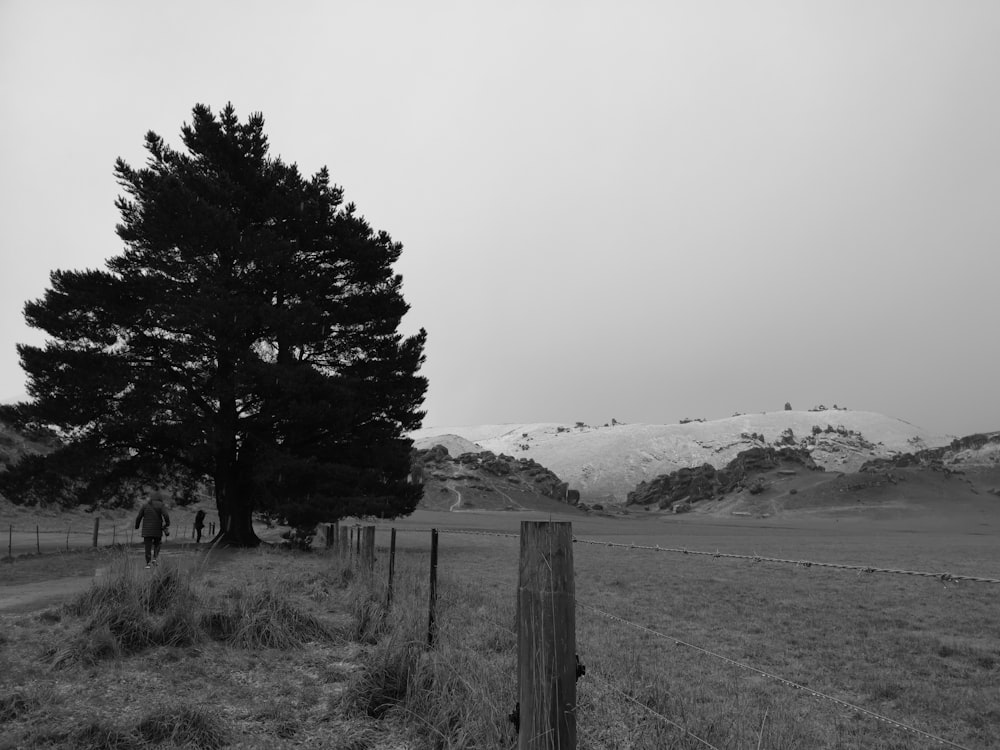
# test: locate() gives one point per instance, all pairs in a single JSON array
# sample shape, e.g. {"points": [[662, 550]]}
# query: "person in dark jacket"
{"points": [[155, 523], [199, 524]]}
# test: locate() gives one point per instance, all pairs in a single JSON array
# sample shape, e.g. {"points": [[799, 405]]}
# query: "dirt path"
{"points": [[29, 597], [458, 503]]}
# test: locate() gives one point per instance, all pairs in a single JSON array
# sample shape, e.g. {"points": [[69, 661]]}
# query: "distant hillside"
{"points": [[606, 462], [14, 444], [946, 482]]}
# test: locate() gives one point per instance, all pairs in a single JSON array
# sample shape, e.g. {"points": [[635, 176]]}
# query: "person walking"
{"points": [[155, 523], [199, 524]]}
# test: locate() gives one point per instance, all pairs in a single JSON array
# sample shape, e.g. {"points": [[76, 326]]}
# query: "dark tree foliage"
{"points": [[247, 338]]}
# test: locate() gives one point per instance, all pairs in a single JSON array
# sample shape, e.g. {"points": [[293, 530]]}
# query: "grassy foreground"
{"points": [[273, 649]]}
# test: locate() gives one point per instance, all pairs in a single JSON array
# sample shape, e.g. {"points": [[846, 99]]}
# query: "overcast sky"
{"points": [[645, 211]]}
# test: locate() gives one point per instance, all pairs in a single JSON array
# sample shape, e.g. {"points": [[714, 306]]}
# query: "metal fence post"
{"points": [[392, 567], [431, 625]]}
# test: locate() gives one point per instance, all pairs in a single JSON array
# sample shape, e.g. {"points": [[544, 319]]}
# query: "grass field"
{"points": [[323, 663]]}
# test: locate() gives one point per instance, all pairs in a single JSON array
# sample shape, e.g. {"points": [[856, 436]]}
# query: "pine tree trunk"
{"points": [[234, 499], [238, 527]]}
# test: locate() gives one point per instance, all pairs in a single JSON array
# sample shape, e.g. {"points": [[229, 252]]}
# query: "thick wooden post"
{"points": [[97, 525], [344, 548], [357, 541], [546, 637], [392, 567], [367, 547], [431, 625]]}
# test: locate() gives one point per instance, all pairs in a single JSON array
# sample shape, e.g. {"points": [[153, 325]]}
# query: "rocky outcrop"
{"points": [[694, 484], [487, 471], [947, 459]]}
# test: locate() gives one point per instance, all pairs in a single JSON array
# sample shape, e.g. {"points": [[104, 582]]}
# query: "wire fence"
{"points": [[23, 539], [583, 606], [942, 576]]}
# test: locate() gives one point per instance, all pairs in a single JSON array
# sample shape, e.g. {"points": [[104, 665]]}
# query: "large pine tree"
{"points": [[248, 337]]}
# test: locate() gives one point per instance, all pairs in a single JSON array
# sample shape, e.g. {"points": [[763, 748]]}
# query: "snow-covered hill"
{"points": [[606, 462]]}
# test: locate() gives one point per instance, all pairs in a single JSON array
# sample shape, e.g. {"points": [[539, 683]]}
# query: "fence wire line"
{"points": [[803, 563], [945, 577], [652, 711], [797, 686]]}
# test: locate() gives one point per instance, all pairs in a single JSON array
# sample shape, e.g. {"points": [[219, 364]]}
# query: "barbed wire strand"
{"points": [[801, 563], [945, 577], [654, 712], [815, 693]]}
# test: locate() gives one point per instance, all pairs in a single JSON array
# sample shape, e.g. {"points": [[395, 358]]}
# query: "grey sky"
{"points": [[645, 211]]}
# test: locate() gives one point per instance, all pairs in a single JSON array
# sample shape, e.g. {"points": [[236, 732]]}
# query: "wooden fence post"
{"points": [[357, 540], [392, 566], [97, 525], [431, 625], [546, 637], [344, 547], [368, 547]]}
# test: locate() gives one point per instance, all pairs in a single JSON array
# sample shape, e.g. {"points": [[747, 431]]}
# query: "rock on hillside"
{"points": [[679, 489], [606, 462], [973, 451], [486, 481]]}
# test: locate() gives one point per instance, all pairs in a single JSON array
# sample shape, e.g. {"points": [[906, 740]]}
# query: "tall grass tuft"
{"points": [[128, 612], [188, 726], [264, 618], [16, 705], [368, 615], [95, 735], [457, 694]]}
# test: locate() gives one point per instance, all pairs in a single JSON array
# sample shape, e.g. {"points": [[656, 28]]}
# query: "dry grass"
{"points": [[917, 650], [132, 663], [290, 650]]}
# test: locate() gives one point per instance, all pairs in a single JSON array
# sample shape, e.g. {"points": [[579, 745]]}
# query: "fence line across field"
{"points": [[945, 577], [34, 539], [892, 723]]}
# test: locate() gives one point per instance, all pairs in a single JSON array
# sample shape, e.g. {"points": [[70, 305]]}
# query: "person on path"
{"points": [[199, 524], [155, 523]]}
